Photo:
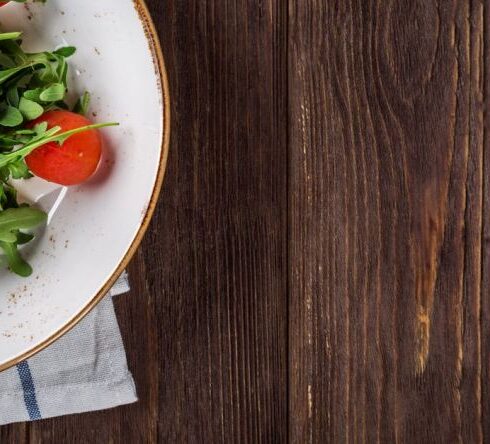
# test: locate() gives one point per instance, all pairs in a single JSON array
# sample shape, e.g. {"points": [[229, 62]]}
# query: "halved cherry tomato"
{"points": [[74, 161]]}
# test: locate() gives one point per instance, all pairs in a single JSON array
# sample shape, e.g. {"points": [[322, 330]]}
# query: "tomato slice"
{"points": [[73, 162]]}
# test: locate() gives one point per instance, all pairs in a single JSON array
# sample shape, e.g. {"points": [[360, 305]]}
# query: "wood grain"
{"points": [[386, 221], [318, 266], [220, 270]]}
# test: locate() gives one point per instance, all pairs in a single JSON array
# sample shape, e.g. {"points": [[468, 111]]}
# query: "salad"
{"points": [[40, 134]]}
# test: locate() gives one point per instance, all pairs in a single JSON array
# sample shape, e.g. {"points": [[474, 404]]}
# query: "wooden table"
{"points": [[318, 266]]}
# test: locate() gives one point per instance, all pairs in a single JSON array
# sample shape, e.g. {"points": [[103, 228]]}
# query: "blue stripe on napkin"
{"points": [[29, 391]]}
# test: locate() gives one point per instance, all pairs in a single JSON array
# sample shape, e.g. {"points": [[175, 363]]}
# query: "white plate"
{"points": [[98, 225]]}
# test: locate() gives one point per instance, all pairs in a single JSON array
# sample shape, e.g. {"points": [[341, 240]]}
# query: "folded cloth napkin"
{"points": [[83, 371]]}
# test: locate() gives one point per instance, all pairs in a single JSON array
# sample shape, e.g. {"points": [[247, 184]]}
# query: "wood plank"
{"points": [[485, 300], [17, 433], [217, 258], [386, 127]]}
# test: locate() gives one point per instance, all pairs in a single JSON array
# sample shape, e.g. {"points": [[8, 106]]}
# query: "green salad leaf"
{"points": [[16, 263], [21, 218], [12, 221], [10, 116], [30, 109]]}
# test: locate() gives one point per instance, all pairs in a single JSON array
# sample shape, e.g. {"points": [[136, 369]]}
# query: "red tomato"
{"points": [[74, 161], [3, 4]]}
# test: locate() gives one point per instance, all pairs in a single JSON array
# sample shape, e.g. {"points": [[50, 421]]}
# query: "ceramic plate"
{"points": [[95, 228]]}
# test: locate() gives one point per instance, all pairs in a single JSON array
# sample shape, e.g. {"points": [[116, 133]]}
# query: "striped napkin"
{"points": [[83, 371]]}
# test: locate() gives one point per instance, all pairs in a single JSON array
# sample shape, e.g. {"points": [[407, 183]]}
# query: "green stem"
{"points": [[5, 159], [10, 35]]}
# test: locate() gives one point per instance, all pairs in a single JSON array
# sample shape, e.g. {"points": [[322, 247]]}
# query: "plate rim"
{"points": [[159, 64]]}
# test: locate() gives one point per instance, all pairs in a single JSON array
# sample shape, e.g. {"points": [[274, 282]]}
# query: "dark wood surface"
{"points": [[318, 266]]}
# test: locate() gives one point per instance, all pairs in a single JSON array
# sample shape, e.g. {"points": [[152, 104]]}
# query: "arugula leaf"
{"points": [[13, 96], [53, 93], [6, 61], [82, 105], [33, 94], [18, 170], [16, 263], [10, 117], [23, 218], [62, 70], [8, 196], [8, 237], [66, 51], [6, 74], [11, 221], [30, 110], [24, 238]]}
